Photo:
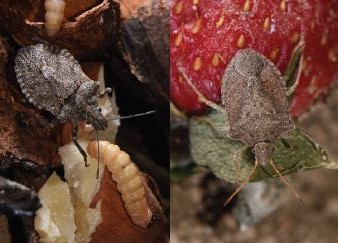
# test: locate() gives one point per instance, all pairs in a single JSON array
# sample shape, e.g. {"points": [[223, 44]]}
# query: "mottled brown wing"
{"points": [[235, 87], [255, 100], [273, 87], [46, 93], [259, 128]]}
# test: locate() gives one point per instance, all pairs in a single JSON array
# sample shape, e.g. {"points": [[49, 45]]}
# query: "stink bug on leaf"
{"points": [[255, 103]]}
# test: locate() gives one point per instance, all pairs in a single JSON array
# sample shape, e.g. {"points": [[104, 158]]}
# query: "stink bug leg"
{"points": [[75, 129], [199, 94]]}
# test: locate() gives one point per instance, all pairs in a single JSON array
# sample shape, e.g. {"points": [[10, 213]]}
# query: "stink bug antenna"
{"points": [[285, 181], [132, 116], [246, 181], [198, 93], [250, 175]]}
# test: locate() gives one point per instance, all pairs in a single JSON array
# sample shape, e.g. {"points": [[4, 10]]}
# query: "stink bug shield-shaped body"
{"points": [[256, 106], [254, 100], [52, 80], [254, 96]]}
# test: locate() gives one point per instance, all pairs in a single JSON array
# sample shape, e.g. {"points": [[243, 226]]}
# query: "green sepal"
{"points": [[232, 160]]}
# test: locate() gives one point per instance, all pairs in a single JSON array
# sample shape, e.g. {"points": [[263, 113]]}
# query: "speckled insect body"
{"points": [[255, 104], [52, 80], [254, 97], [254, 101]]}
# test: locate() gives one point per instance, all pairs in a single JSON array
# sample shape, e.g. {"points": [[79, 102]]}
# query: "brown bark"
{"points": [[85, 32]]}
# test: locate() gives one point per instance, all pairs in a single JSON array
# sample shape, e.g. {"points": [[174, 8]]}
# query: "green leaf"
{"points": [[294, 69], [232, 160]]}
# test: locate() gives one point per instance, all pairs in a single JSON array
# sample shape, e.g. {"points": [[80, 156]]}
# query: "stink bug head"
{"points": [[86, 107], [95, 117], [262, 151], [247, 63], [83, 106]]}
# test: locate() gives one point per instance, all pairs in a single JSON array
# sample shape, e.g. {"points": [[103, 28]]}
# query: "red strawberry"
{"points": [[205, 35]]}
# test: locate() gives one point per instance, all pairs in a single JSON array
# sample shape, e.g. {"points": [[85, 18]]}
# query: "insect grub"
{"points": [[255, 103], [127, 177], [54, 16], [52, 80]]}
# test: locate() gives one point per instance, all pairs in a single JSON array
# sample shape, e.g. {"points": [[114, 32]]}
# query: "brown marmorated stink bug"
{"points": [[256, 106], [52, 80]]}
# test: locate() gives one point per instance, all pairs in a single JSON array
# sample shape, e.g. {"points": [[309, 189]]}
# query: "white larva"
{"points": [[128, 180], [54, 15]]}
